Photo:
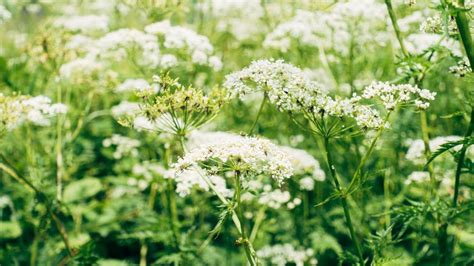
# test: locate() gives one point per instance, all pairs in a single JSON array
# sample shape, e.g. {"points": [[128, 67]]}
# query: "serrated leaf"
{"points": [[447, 146]]}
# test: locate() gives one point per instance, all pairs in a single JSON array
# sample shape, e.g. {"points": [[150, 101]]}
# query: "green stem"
{"points": [[258, 221], [344, 204], [249, 252], [59, 154], [393, 19], [461, 158], [258, 114], [358, 172], [426, 142], [172, 210], [463, 26]]}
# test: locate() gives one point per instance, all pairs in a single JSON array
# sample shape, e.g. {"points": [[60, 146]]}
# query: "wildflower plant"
{"points": [[176, 109], [245, 159], [277, 132]]}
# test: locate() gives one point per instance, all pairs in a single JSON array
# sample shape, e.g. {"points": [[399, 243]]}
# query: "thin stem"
{"points": [[461, 158], [393, 19], [258, 114], [143, 253], [358, 172], [426, 142], [343, 198], [258, 221], [463, 26], [59, 154], [249, 252]]}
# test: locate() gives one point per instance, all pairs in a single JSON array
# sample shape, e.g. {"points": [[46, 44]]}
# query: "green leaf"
{"points": [[10, 229], [447, 146], [82, 189]]}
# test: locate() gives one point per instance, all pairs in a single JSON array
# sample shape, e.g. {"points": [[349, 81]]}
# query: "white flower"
{"points": [[416, 151], [243, 19], [392, 95], [198, 47], [4, 14], [356, 22], [275, 198], [84, 24], [462, 68], [131, 85], [39, 110], [417, 177], [304, 163], [118, 44], [147, 170], [420, 42], [79, 68], [306, 183], [286, 85], [251, 156], [284, 254], [125, 108], [123, 146], [190, 178]]}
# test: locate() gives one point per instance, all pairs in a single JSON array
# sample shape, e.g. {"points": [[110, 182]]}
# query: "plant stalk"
{"points": [[343, 198], [393, 19]]}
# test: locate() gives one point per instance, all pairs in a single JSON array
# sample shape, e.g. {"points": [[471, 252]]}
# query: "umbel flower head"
{"points": [[16, 110], [392, 95], [249, 156], [285, 85], [290, 90], [177, 109]]}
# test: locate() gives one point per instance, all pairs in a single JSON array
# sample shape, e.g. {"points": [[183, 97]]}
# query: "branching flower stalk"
{"points": [[343, 199], [169, 107]]}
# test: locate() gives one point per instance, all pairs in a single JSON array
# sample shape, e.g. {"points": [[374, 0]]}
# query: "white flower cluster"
{"points": [[353, 21], [144, 174], [417, 177], [435, 24], [190, 178], [41, 109], [15, 111], [132, 85], [176, 37], [241, 18], [149, 169], [79, 43], [125, 108], [4, 14], [416, 151], [83, 24], [117, 45], [392, 95], [249, 155], [284, 254], [275, 199], [290, 90], [305, 28], [304, 163], [419, 43], [78, 68], [462, 68], [285, 85], [123, 146]]}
